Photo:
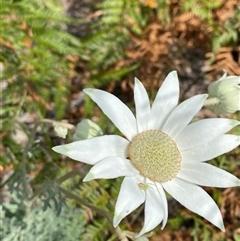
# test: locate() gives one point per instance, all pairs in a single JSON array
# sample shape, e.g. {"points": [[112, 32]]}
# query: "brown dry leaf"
{"points": [[226, 10], [35, 97], [177, 235], [7, 44], [230, 203], [227, 58], [192, 30], [152, 49]]}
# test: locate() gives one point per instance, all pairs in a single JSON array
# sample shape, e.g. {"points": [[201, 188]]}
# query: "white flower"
{"points": [[162, 152], [227, 91]]}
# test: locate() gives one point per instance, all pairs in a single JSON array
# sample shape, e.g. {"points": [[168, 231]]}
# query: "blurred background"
{"points": [[50, 51]]}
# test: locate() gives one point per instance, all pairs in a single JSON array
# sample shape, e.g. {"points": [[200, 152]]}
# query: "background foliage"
{"points": [[49, 53]]}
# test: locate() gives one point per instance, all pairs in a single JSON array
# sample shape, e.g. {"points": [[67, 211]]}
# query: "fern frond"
{"points": [[111, 75]]}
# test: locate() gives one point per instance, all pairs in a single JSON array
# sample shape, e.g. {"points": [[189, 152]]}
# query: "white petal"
{"points": [[207, 175], [142, 106], [115, 110], [196, 199], [165, 101], [93, 150], [155, 208], [183, 114], [111, 167], [203, 131], [211, 149], [165, 204], [130, 197]]}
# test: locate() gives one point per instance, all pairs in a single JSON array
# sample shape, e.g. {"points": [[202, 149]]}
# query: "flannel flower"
{"points": [[161, 152]]}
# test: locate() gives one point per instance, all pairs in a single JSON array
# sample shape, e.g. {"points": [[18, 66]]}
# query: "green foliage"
{"points": [[34, 52], [229, 32], [53, 196], [26, 221], [36, 56], [110, 35], [202, 9], [100, 193], [225, 34]]}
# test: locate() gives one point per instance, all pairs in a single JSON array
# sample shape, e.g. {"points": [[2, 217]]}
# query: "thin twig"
{"points": [[68, 175], [24, 157], [102, 212]]}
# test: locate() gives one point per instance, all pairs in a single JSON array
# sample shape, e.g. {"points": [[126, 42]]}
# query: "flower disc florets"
{"points": [[155, 155]]}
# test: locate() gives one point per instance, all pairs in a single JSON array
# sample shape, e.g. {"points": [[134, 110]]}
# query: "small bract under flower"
{"points": [[86, 129], [161, 151]]}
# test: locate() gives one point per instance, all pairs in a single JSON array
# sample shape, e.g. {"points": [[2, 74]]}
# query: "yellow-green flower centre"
{"points": [[155, 155]]}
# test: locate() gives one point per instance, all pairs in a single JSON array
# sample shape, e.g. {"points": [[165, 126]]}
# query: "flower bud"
{"points": [[227, 91], [86, 129], [60, 130]]}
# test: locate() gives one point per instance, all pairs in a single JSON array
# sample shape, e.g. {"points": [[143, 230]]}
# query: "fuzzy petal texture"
{"points": [[142, 106], [207, 175], [195, 199], [130, 197], [211, 149], [116, 111], [111, 167], [165, 101], [203, 131], [155, 208], [93, 150], [182, 115]]}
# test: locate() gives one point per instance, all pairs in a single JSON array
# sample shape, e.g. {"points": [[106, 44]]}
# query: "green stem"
{"points": [[24, 158], [120, 234], [67, 125], [68, 175], [98, 210], [102, 212], [60, 180]]}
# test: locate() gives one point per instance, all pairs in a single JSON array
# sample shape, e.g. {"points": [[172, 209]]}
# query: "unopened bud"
{"points": [[87, 129], [226, 91], [60, 130]]}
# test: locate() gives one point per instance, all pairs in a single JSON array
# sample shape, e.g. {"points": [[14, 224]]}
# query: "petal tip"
{"points": [[173, 74], [234, 123], [87, 90], [222, 228], [62, 149], [220, 225], [116, 220], [136, 80], [204, 96], [88, 177]]}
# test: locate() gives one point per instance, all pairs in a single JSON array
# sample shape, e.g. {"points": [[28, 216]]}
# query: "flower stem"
{"points": [[212, 101], [121, 234], [67, 125], [25, 158], [101, 211], [68, 175]]}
